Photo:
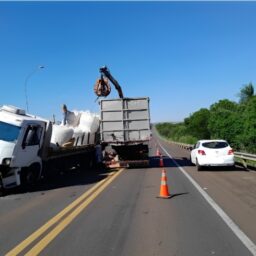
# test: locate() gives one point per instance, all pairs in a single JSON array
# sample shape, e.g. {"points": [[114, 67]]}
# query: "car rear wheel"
{"points": [[190, 159], [198, 166]]}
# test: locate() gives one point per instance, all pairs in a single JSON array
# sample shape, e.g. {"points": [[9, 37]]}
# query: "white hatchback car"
{"points": [[212, 153]]}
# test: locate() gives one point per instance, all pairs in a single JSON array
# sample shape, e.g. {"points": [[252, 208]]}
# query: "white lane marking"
{"points": [[237, 231]]}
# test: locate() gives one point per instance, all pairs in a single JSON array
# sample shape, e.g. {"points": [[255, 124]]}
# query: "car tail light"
{"points": [[231, 152], [201, 152]]}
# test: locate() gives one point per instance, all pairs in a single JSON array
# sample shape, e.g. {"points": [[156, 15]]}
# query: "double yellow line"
{"points": [[73, 210]]}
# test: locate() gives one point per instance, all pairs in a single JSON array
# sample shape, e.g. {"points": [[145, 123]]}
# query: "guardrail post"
{"points": [[244, 163]]}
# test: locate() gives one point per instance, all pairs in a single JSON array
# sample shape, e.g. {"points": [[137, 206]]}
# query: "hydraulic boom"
{"points": [[102, 87]]}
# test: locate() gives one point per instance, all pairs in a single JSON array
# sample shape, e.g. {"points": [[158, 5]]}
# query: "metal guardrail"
{"points": [[244, 157], [182, 145]]}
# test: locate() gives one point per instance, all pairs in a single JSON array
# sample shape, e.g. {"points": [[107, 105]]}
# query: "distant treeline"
{"points": [[234, 122]]}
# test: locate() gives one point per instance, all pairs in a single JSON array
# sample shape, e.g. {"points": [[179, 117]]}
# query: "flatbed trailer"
{"points": [[66, 158], [26, 152]]}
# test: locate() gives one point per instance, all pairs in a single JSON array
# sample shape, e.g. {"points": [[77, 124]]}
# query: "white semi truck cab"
{"points": [[21, 142]]}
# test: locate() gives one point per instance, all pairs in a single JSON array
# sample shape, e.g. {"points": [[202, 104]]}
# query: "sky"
{"points": [[182, 55]]}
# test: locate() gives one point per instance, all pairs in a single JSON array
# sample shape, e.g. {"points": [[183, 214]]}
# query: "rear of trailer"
{"points": [[125, 131]]}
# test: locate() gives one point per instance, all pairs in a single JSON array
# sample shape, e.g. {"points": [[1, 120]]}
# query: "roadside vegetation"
{"points": [[225, 119]]}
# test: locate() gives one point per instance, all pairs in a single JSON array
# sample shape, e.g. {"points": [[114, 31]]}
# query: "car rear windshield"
{"points": [[215, 144]]}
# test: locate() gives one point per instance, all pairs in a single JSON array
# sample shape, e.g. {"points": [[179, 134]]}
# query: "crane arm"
{"points": [[104, 70]]}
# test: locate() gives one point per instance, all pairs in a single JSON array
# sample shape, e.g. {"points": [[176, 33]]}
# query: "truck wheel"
{"points": [[30, 175], [2, 190], [88, 162]]}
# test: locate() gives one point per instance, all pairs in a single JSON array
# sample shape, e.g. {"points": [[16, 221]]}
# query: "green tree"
{"points": [[225, 122], [224, 105], [164, 129], [197, 124], [246, 93], [248, 136], [225, 119], [175, 132]]}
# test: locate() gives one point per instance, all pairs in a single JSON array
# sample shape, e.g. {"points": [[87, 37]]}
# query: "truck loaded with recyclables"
{"points": [[29, 144]]}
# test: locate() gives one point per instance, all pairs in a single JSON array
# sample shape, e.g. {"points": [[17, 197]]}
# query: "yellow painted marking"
{"points": [[65, 222], [20, 247]]}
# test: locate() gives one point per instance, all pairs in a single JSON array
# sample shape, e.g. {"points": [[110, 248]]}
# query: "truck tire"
{"points": [[30, 175], [2, 190], [88, 161]]}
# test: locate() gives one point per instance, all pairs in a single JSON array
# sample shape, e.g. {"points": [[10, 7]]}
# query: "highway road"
{"points": [[118, 213]]}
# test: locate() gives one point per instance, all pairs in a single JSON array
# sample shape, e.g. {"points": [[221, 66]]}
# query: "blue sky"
{"points": [[183, 55]]}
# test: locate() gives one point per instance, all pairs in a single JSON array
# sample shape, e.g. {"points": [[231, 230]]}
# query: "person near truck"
{"points": [[68, 120], [65, 113]]}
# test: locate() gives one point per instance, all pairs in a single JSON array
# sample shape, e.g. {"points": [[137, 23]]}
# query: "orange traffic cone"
{"points": [[158, 152], [161, 161], [164, 192]]}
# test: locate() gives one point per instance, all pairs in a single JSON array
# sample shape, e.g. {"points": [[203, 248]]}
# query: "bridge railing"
{"points": [[242, 158]]}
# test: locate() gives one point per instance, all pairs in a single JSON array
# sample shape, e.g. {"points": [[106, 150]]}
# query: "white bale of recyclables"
{"points": [[89, 124], [61, 134], [81, 128]]}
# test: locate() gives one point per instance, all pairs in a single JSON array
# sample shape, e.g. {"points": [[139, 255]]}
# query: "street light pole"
{"points": [[26, 82]]}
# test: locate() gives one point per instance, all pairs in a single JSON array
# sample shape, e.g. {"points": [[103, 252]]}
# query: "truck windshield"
{"points": [[9, 132]]}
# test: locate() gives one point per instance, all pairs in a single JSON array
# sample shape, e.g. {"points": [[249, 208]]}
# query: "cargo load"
{"points": [[81, 129], [31, 145]]}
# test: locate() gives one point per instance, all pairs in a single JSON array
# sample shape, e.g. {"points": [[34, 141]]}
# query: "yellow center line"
{"points": [[20, 247], [65, 222]]}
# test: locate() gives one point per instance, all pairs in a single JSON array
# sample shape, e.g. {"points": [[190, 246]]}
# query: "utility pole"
{"points": [[26, 83]]}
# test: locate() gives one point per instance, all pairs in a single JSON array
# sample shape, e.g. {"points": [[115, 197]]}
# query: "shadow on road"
{"points": [[185, 162], [223, 169], [178, 194], [58, 179], [168, 162]]}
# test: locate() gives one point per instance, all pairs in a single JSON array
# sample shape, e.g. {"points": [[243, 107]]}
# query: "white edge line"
{"points": [[237, 231]]}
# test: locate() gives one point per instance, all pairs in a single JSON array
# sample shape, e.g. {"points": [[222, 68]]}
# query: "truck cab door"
{"points": [[26, 151]]}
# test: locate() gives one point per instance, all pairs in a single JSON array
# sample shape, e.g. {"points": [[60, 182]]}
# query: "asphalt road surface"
{"points": [[101, 213]]}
